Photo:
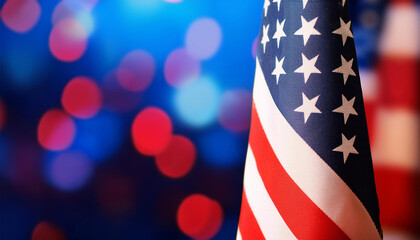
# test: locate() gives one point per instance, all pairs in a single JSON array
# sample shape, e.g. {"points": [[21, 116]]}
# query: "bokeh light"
{"points": [[116, 98], [68, 40], [199, 217], [68, 171], [235, 110], [20, 15], [181, 68], [86, 19], [178, 158], [98, 175], [254, 47], [66, 9], [149, 6], [56, 130], [136, 71], [203, 38], [197, 103], [369, 19], [151, 131], [47, 231], [2, 114], [99, 137], [79, 10], [82, 98], [221, 148], [89, 3]]}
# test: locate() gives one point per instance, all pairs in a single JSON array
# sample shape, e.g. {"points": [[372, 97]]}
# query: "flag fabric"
{"points": [[396, 138], [308, 172]]}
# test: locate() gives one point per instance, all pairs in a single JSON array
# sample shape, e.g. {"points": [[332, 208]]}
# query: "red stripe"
{"points": [[301, 215], [247, 223], [371, 109], [399, 197], [399, 82], [402, 2]]}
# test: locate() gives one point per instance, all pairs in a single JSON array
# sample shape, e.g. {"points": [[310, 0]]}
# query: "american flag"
{"points": [[396, 128], [308, 172]]}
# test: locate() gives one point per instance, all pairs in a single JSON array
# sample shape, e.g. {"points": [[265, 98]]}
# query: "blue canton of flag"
{"points": [[308, 172]]}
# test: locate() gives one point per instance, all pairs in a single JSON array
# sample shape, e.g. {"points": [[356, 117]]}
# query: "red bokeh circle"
{"points": [[56, 130], [20, 15], [82, 98], [47, 231], [199, 217], [136, 70], [68, 40], [178, 158], [151, 131]]}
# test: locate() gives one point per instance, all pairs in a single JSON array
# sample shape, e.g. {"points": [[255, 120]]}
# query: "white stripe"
{"points": [[271, 223], [369, 81], [239, 236], [397, 139], [312, 174], [401, 34]]}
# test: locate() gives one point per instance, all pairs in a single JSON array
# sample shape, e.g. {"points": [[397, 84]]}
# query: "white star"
{"points": [[308, 107], [266, 4], [307, 29], [346, 108], [265, 39], [278, 70], [345, 69], [344, 2], [308, 67], [278, 4], [346, 147], [279, 32], [344, 30], [304, 3]]}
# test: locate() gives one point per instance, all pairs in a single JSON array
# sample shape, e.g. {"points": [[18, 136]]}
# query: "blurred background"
{"points": [[129, 119]]}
